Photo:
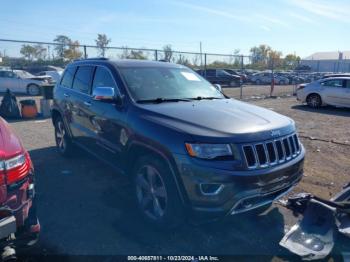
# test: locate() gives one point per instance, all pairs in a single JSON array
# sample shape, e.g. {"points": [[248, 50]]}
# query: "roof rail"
{"points": [[92, 58]]}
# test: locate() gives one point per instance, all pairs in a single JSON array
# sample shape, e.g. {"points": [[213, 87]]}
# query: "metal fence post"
{"points": [[242, 68], [156, 54], [85, 54], [205, 65], [272, 77]]}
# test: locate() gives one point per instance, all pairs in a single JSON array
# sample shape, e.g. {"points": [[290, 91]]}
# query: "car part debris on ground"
{"points": [[314, 236]]}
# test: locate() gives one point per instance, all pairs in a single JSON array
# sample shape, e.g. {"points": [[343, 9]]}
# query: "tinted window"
{"points": [[333, 83], [103, 78], [221, 73], [82, 79], [8, 74], [67, 78], [347, 83], [211, 72]]}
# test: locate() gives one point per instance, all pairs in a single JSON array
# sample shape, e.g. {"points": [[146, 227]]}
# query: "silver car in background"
{"points": [[20, 81], [266, 78], [334, 91]]}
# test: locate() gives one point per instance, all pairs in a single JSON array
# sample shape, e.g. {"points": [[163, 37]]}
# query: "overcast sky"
{"points": [[300, 26]]}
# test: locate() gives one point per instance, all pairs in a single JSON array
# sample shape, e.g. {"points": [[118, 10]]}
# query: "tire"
{"points": [[63, 141], [33, 90], [156, 195], [258, 82], [314, 100], [281, 82]]}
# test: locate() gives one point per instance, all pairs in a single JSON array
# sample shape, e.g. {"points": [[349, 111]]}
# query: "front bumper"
{"points": [[241, 190]]}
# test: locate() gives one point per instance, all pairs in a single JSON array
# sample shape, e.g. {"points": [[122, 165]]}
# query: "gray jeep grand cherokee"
{"points": [[187, 147]]}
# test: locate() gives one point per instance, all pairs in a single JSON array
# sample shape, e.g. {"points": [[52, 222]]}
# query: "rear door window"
{"points": [[333, 83], [82, 79], [68, 76]]}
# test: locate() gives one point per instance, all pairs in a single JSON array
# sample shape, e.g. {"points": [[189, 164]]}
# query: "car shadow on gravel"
{"points": [[329, 110], [86, 208]]}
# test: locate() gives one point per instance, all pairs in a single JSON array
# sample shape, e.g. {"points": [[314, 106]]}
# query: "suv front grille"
{"points": [[264, 154]]}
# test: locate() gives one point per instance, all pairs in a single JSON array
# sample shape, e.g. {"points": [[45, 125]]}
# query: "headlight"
{"points": [[211, 151]]}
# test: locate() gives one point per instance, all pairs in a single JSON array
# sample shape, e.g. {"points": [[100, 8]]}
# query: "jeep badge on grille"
{"points": [[275, 133]]}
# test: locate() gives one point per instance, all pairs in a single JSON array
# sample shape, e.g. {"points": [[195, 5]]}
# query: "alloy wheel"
{"points": [[314, 101], [151, 192], [60, 136]]}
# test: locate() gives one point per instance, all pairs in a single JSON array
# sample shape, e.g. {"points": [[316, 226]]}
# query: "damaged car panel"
{"points": [[314, 236]]}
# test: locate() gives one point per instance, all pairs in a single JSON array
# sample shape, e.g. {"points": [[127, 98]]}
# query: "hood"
{"points": [[10, 145], [220, 119]]}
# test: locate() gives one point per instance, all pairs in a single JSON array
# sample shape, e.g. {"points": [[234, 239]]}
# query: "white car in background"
{"points": [[20, 81], [56, 75], [334, 91]]}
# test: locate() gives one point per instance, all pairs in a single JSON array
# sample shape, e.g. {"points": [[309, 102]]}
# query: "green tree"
{"points": [[259, 54], [137, 55], [72, 52], [40, 52], [182, 60], [102, 42], [274, 58], [28, 52], [168, 53], [291, 61], [63, 43]]}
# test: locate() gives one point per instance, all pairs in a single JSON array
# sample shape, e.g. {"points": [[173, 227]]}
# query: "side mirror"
{"points": [[103, 94], [218, 87]]}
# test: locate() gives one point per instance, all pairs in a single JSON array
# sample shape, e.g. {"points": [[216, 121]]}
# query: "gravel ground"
{"points": [[85, 207]]}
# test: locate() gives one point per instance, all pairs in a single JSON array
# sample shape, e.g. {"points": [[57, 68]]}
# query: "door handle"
{"points": [[66, 95], [87, 103]]}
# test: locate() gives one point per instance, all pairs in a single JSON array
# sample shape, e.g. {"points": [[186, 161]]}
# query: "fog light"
{"points": [[210, 189]]}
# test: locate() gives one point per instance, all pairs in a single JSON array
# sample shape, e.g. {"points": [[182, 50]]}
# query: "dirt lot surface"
{"points": [[85, 207]]}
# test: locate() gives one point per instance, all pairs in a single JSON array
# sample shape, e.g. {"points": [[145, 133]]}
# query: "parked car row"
{"points": [[255, 77], [221, 76]]}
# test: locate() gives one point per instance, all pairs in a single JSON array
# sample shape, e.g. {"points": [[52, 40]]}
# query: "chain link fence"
{"points": [[259, 77]]}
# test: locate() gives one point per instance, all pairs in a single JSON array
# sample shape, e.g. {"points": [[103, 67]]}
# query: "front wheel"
{"points": [[314, 101], [33, 90], [63, 141], [157, 196]]}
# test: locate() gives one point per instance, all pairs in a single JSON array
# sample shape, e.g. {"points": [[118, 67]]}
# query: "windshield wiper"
{"points": [[162, 100], [205, 98]]}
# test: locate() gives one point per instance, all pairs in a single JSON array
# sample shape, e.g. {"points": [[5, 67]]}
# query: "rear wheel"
{"points": [[258, 82], [281, 82], [314, 100], [63, 141], [157, 197], [33, 90]]}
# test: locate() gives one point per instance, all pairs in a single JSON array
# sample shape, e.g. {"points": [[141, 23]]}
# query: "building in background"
{"points": [[328, 61]]}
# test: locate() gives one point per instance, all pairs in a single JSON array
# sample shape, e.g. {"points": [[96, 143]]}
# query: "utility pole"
{"points": [[200, 51]]}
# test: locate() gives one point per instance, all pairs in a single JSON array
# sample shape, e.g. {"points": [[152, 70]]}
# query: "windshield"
{"points": [[148, 83]]}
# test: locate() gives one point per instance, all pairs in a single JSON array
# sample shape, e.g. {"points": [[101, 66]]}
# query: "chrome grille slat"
{"points": [[272, 152]]}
